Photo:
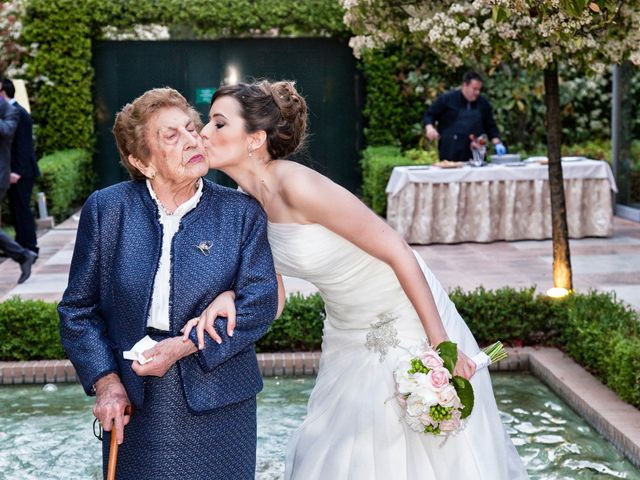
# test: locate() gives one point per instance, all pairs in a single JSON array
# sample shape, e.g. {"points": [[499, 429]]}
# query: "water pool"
{"points": [[48, 435]]}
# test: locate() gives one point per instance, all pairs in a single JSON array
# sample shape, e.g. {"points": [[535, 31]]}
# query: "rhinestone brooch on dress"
{"points": [[383, 335], [205, 247]]}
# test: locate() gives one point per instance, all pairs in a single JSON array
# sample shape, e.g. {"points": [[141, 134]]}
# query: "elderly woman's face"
{"points": [[176, 150], [225, 138]]}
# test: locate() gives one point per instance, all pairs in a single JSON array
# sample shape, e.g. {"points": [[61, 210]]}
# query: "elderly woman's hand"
{"points": [[111, 400], [162, 356], [222, 306]]}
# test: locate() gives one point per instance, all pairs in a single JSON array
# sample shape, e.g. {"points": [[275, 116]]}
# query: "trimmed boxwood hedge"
{"points": [[595, 329], [29, 330], [67, 179], [377, 164]]}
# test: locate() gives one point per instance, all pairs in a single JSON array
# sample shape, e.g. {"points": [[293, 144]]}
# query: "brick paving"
{"points": [[606, 264]]}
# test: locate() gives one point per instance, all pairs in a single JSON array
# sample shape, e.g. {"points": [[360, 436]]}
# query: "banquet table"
{"points": [[429, 204]]}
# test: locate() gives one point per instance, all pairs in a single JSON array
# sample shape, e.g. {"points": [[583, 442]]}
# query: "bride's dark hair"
{"points": [[275, 107]]}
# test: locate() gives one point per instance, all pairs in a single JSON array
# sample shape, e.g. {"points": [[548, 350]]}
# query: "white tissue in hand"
{"points": [[481, 360], [136, 352]]}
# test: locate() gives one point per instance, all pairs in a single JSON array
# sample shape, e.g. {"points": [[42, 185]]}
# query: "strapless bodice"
{"points": [[356, 287]]}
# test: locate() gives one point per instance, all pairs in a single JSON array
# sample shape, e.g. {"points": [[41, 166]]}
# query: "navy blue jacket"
{"points": [[23, 153], [105, 307]]}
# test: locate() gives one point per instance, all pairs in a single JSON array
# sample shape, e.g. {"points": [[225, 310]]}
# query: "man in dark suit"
{"points": [[9, 117], [24, 170]]}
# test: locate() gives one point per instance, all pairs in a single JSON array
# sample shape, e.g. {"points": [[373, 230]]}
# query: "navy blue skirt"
{"points": [[165, 441]]}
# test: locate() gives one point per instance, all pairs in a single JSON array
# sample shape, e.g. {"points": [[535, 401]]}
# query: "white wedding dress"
{"points": [[351, 431]]}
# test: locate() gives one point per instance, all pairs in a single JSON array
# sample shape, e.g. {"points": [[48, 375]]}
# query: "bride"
{"points": [[378, 294]]}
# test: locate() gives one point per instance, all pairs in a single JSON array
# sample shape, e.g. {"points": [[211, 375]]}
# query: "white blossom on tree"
{"points": [[12, 52]]}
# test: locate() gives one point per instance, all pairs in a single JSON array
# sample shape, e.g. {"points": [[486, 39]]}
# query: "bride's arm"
{"points": [[319, 200]]}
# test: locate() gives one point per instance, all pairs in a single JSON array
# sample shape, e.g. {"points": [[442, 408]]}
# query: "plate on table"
{"points": [[514, 164], [418, 167], [448, 164], [572, 159], [540, 160]]}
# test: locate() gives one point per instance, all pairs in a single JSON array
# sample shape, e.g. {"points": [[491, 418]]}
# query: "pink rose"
{"points": [[426, 419], [447, 426], [439, 378], [448, 397], [431, 359]]}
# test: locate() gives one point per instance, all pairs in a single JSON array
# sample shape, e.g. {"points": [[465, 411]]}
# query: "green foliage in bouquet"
{"points": [[465, 393], [448, 351], [417, 367]]}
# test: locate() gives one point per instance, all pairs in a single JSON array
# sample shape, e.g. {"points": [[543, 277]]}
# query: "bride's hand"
{"points": [[222, 306], [465, 367]]}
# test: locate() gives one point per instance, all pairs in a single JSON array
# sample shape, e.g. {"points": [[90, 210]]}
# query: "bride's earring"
{"points": [[250, 150]]}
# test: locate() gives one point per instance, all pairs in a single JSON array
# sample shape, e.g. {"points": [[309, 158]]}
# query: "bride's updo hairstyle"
{"points": [[275, 107]]}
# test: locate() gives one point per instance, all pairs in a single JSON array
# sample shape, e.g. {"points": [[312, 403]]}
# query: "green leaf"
{"points": [[465, 393], [449, 353]]}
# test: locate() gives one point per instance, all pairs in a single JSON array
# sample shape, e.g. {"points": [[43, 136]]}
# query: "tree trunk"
{"points": [[560, 232]]}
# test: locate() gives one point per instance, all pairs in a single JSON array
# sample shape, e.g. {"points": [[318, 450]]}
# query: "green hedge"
{"points": [[377, 164], [29, 330], [66, 180], [498, 315], [595, 329], [61, 73], [299, 328]]}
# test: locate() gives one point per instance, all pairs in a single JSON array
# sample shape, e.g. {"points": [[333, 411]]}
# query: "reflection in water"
{"points": [[553, 441], [48, 434]]}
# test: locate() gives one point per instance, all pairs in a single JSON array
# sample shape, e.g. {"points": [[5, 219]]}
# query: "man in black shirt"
{"points": [[458, 114]]}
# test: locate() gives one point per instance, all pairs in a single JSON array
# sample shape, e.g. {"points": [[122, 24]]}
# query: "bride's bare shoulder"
{"points": [[296, 179]]}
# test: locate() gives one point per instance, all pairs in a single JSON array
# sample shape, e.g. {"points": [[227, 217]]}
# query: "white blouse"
{"points": [[159, 312]]}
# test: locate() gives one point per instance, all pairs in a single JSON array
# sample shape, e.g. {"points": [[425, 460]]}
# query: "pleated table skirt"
{"points": [[165, 441]]}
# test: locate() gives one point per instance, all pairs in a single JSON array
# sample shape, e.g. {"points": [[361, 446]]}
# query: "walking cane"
{"points": [[113, 448]]}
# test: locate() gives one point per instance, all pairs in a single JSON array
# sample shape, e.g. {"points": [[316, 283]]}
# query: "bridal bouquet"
{"points": [[433, 399]]}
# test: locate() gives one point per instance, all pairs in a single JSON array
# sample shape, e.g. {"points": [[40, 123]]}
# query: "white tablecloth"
{"points": [[434, 205]]}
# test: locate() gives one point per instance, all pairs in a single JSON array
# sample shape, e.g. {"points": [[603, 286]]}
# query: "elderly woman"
{"points": [[150, 255]]}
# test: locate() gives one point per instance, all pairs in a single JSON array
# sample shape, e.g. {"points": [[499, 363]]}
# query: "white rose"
{"points": [[425, 391], [448, 397], [415, 406], [414, 423], [406, 383]]}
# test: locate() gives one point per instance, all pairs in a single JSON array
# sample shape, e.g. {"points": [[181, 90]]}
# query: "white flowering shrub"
{"points": [[12, 52], [535, 33]]}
